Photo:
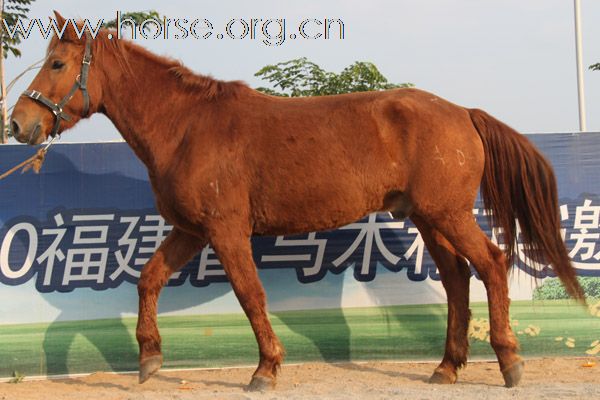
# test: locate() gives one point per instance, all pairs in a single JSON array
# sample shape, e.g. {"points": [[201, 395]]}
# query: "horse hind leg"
{"points": [[173, 253], [467, 237], [235, 253], [455, 275]]}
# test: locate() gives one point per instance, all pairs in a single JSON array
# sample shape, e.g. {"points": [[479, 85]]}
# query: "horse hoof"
{"points": [[260, 384], [441, 378], [512, 375], [149, 367]]}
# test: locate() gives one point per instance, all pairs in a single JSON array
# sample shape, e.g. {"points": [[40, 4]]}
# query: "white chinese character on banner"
{"points": [[585, 245], [311, 241], [520, 246], [53, 252], [587, 217], [564, 216], [88, 264], [416, 248], [123, 260], [369, 231]]}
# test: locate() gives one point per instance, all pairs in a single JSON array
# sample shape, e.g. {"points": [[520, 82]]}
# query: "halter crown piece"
{"points": [[80, 84]]}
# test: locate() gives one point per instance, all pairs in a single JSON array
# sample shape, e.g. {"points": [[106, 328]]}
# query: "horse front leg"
{"points": [[178, 248], [235, 253]]}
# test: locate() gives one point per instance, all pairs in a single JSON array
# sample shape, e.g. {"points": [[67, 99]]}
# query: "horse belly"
{"points": [[318, 206]]}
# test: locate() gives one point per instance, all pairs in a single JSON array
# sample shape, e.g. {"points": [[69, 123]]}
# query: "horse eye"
{"points": [[56, 64]]}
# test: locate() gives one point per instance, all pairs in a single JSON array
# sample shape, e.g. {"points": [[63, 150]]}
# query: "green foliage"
{"points": [[552, 289], [302, 77], [13, 11], [136, 16], [595, 67], [591, 287]]}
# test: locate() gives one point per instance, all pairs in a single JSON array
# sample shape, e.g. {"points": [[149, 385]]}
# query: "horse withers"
{"points": [[227, 162]]}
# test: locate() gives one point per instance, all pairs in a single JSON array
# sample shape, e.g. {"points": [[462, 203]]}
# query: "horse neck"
{"points": [[146, 108]]}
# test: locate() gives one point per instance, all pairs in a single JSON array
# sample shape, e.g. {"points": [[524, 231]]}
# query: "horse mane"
{"points": [[210, 87], [194, 83]]}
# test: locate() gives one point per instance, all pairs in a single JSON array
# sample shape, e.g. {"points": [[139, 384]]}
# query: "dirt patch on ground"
{"points": [[556, 378]]}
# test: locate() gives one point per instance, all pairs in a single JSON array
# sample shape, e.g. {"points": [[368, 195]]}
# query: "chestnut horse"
{"points": [[227, 162]]}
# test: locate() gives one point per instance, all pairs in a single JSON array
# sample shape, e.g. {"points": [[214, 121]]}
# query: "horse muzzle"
{"points": [[27, 133]]}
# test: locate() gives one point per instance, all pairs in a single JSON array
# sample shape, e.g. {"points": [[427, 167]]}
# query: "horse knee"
{"points": [[144, 288], [148, 285]]}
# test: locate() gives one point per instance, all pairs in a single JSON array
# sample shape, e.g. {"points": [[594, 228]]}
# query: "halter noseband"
{"points": [[80, 84]]}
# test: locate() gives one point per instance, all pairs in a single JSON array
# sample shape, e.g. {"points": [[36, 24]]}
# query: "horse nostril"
{"points": [[16, 129]]}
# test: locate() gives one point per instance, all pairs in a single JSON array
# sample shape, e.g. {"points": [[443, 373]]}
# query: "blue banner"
{"points": [[88, 221]]}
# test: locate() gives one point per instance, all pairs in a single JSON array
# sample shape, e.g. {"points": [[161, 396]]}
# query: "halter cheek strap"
{"points": [[80, 84]]}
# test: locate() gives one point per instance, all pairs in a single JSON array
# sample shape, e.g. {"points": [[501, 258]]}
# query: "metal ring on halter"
{"points": [[57, 111]]}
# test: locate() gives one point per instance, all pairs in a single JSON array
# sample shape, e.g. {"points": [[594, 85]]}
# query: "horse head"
{"points": [[63, 92]]}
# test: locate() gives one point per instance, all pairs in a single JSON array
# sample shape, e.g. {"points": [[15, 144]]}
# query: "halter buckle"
{"points": [[35, 95]]}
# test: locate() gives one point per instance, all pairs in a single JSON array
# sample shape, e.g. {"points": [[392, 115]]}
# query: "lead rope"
{"points": [[34, 162]]}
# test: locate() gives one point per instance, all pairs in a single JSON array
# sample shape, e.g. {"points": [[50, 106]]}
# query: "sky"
{"points": [[512, 58]]}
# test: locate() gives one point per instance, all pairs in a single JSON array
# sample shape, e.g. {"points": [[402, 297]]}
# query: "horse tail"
{"points": [[519, 183]]}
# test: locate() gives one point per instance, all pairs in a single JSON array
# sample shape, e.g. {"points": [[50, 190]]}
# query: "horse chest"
{"points": [[189, 204]]}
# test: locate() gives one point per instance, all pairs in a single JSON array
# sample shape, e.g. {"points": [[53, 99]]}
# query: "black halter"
{"points": [[80, 84]]}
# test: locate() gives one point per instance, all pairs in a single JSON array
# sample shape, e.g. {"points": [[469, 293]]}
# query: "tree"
{"points": [[12, 11], [136, 16], [552, 289], [302, 77]]}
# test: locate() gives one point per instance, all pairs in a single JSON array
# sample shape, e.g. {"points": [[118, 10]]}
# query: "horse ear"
{"points": [[60, 20], [68, 31]]}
